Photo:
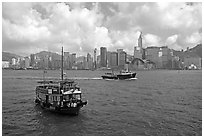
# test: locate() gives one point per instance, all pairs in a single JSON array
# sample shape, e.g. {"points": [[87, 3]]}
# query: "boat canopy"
{"points": [[72, 92], [54, 82]]}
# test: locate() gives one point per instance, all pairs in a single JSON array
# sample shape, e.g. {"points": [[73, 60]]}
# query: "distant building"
{"points": [[66, 60], [161, 56], [193, 62], [114, 59], [5, 64], [89, 61], [13, 61], [98, 61], [138, 50], [95, 60], [122, 56], [109, 59], [32, 60], [103, 54], [27, 62]]}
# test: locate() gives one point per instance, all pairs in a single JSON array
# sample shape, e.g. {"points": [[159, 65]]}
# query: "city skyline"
{"points": [[82, 27]]}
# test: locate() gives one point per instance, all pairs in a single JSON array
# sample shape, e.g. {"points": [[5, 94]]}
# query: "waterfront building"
{"points": [[56, 63], [89, 61], [98, 62], [32, 60], [138, 50], [108, 59], [5, 64], [66, 60], [13, 61], [95, 58], [193, 62], [114, 59], [103, 53], [27, 62], [161, 56], [72, 61], [122, 56]]}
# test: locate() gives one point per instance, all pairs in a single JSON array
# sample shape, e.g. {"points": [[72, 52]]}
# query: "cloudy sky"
{"points": [[80, 27]]}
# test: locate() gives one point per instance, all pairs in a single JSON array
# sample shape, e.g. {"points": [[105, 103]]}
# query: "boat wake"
{"points": [[131, 79], [84, 78]]}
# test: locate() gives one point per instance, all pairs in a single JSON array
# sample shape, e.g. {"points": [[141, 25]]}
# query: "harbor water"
{"points": [[157, 103]]}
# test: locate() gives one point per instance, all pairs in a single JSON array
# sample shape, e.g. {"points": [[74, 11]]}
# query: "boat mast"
{"points": [[62, 65]]}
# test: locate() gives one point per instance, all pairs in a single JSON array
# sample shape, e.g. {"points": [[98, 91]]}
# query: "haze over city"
{"points": [[81, 27]]}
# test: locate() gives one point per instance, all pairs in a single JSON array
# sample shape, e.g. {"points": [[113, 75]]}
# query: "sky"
{"points": [[81, 27]]}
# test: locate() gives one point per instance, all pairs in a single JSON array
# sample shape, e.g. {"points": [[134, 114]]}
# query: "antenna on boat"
{"points": [[62, 66]]}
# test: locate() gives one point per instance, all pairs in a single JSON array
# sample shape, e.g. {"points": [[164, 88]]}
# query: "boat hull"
{"points": [[120, 76], [110, 77], [126, 76], [61, 110]]}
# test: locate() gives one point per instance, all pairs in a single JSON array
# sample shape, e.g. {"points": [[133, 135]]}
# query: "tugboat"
{"points": [[110, 76], [63, 96], [126, 75], [123, 75]]}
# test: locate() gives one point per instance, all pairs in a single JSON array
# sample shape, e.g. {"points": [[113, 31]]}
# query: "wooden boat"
{"points": [[63, 96]]}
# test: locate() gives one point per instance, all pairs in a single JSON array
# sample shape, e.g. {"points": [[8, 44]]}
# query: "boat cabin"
{"points": [[62, 93]]}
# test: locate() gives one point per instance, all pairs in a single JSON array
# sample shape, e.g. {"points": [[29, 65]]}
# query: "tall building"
{"points": [[66, 60], [109, 59], [140, 41], [122, 56], [73, 59], [89, 61], [98, 61], [27, 62], [138, 50], [103, 54], [32, 60], [114, 59], [161, 56], [95, 58]]}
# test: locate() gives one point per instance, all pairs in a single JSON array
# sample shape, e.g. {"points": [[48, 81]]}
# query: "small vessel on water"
{"points": [[63, 96], [126, 75], [111, 76], [123, 75]]}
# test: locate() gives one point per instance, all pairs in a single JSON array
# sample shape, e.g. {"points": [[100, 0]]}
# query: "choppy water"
{"points": [[157, 103]]}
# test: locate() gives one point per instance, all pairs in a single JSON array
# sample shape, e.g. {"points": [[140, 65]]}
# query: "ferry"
{"points": [[63, 96], [123, 75]]}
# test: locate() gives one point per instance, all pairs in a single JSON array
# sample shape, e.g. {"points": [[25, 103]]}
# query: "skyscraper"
{"points": [[114, 59], [103, 54], [95, 58], [89, 61], [32, 60], [138, 51], [140, 41]]}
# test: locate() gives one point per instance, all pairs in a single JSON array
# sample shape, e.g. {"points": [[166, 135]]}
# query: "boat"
{"points": [[123, 75], [111, 76], [61, 96], [126, 75]]}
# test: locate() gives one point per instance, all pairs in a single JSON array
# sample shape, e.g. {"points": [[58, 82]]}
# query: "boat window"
{"points": [[78, 97]]}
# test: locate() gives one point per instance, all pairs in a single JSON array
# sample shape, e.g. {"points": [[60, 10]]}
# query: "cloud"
{"points": [[152, 40], [171, 39], [81, 27], [194, 38]]}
